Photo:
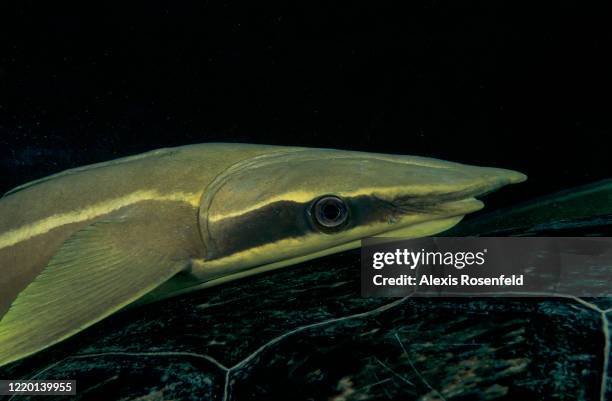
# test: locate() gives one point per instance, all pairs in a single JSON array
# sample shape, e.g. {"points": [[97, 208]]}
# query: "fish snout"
{"points": [[450, 189]]}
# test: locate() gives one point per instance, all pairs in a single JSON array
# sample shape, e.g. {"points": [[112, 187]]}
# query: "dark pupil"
{"points": [[331, 211]]}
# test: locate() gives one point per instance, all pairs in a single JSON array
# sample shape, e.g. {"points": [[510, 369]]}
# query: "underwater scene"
{"points": [[191, 192]]}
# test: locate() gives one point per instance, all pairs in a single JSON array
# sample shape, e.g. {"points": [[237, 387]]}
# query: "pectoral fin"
{"points": [[96, 272]]}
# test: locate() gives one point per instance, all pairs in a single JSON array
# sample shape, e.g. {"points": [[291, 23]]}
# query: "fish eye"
{"points": [[330, 212]]}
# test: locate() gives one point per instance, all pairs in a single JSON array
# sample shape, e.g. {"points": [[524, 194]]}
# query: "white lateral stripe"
{"points": [[47, 224]]}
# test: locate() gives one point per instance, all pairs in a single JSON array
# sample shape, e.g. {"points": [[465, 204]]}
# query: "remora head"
{"points": [[284, 208]]}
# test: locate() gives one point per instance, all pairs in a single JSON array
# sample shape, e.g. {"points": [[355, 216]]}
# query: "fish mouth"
{"points": [[460, 195], [445, 205]]}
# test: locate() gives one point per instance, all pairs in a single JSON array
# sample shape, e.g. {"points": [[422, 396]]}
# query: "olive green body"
{"points": [[78, 246]]}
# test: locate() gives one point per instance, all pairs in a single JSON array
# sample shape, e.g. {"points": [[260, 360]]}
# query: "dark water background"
{"points": [[521, 85], [518, 85]]}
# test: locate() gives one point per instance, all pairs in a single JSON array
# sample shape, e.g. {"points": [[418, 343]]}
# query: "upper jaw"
{"points": [[471, 181], [459, 197]]}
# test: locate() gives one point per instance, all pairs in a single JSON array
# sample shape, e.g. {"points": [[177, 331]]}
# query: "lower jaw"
{"points": [[462, 207], [424, 229], [451, 213]]}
